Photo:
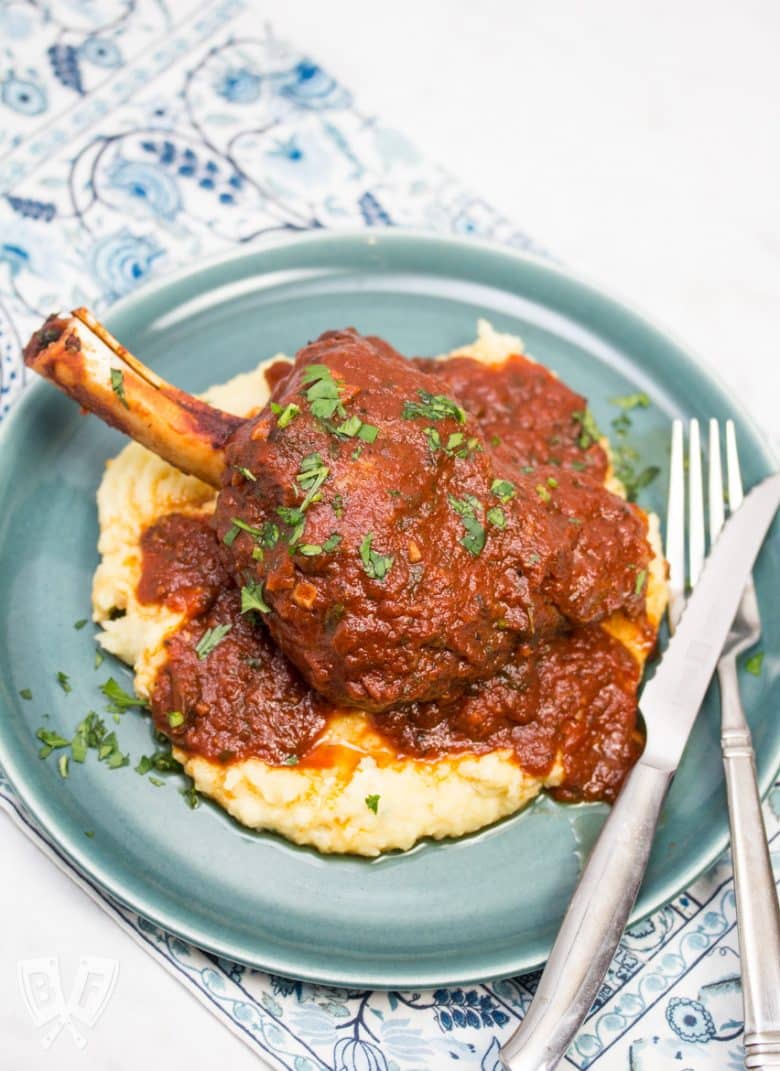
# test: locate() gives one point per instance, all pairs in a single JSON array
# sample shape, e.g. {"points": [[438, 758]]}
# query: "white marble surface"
{"points": [[640, 143]]}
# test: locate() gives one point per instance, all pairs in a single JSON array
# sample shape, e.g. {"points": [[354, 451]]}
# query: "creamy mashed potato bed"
{"points": [[321, 804]]}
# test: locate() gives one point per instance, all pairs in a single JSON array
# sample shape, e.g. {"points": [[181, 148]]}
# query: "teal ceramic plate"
{"points": [[477, 908]]}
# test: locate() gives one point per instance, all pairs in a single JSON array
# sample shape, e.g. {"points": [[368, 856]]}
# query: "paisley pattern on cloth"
{"points": [[135, 137]]}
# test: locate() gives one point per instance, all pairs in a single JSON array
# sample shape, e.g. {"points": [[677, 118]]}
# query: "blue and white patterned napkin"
{"points": [[133, 140]]}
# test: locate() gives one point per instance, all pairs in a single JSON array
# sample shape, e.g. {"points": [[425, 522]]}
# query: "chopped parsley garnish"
{"points": [[229, 537], [118, 385], [175, 719], [285, 415], [252, 598], [503, 490], [191, 797], [641, 577], [368, 433], [624, 459], [25, 693], [90, 733], [543, 493], [313, 474], [256, 533], [64, 682], [246, 473], [372, 802], [589, 429], [631, 401], [212, 638], [62, 766], [99, 659], [621, 424], [269, 534], [291, 760], [50, 741], [291, 515], [466, 508], [354, 427], [350, 427], [323, 393], [457, 444], [434, 439], [78, 625], [495, 516], [162, 761], [434, 407], [119, 699], [331, 542], [552, 482], [754, 663], [375, 565], [309, 550]]}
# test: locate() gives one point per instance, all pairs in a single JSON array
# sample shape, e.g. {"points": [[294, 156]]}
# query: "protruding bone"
{"points": [[81, 358]]}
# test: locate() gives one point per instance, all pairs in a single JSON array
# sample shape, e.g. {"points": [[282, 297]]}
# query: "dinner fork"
{"points": [[758, 913]]}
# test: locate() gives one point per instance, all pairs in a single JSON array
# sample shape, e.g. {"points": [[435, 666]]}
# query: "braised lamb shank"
{"points": [[391, 546]]}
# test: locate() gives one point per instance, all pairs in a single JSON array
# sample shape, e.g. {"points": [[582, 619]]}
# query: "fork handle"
{"points": [[593, 925], [758, 914]]}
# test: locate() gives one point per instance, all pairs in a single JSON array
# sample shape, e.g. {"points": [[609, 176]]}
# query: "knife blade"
{"points": [[671, 700], [602, 902]]}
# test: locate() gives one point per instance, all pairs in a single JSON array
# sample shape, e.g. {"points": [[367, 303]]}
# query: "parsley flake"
{"points": [[309, 550], [212, 638], [285, 415], [118, 385], [631, 401], [754, 664], [466, 508], [503, 490], [246, 473], [495, 516], [641, 577], [252, 598], [372, 802], [119, 699], [175, 719], [589, 429], [434, 407], [375, 565], [25, 693], [78, 625], [64, 682], [331, 542], [323, 393]]}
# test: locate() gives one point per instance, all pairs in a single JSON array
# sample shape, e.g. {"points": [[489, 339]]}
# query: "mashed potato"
{"points": [[322, 804]]}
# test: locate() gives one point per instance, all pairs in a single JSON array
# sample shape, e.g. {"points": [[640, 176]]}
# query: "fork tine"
{"points": [[715, 483], [732, 467], [675, 527], [695, 505]]}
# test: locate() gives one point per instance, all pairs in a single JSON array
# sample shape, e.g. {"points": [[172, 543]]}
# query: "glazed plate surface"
{"points": [[482, 907]]}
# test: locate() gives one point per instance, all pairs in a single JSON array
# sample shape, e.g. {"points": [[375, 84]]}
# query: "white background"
{"points": [[639, 142]]}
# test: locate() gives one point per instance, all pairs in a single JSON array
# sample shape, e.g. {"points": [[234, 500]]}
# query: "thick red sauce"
{"points": [[570, 692]]}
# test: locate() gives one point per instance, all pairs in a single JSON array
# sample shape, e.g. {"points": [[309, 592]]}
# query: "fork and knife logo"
{"points": [[41, 986]]}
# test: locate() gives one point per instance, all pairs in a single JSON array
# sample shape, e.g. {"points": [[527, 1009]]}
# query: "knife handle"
{"points": [[593, 925], [758, 913]]}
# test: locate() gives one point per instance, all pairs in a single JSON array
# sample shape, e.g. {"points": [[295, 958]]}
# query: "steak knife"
{"points": [[599, 909]]}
